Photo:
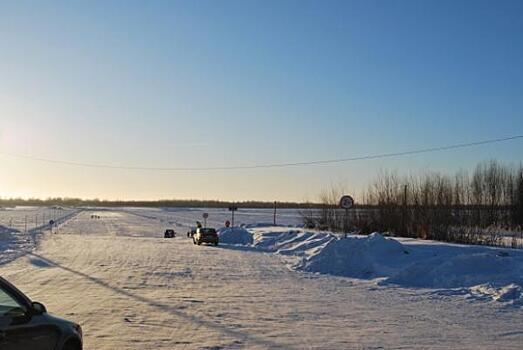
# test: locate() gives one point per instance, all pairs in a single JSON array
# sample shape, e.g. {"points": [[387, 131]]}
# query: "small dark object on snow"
{"points": [[169, 234]]}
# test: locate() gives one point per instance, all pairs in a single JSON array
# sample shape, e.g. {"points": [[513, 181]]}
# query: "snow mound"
{"points": [[464, 270], [368, 257], [293, 242], [480, 273], [235, 235]]}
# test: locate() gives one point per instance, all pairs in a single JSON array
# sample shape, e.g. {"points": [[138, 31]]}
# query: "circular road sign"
{"points": [[205, 215], [51, 222], [346, 202]]}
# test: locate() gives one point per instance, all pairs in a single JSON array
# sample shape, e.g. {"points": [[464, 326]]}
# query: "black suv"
{"points": [[205, 235], [169, 234], [26, 325]]}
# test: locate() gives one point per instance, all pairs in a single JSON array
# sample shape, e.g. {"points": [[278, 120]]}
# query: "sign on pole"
{"points": [[205, 216], [346, 202]]}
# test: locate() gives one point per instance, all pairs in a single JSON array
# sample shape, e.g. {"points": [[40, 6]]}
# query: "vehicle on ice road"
{"points": [[169, 234], [26, 325], [205, 235]]}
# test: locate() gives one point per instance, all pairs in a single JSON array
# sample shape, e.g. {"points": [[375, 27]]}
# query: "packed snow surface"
{"points": [[271, 287]]}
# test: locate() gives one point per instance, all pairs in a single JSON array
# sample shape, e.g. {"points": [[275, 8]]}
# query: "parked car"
{"points": [[26, 325], [191, 233], [169, 234], [205, 235]]}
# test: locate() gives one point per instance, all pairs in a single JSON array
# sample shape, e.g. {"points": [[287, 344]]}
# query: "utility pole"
{"points": [[274, 217], [405, 208], [25, 224], [233, 208]]}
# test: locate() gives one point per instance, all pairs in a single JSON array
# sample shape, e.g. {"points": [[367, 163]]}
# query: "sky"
{"points": [[235, 83]]}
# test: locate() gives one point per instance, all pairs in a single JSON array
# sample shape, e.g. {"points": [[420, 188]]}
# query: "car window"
{"points": [[9, 306]]}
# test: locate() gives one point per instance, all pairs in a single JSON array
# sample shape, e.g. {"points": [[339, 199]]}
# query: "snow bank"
{"points": [[483, 273], [235, 235], [463, 270], [292, 242], [369, 257]]}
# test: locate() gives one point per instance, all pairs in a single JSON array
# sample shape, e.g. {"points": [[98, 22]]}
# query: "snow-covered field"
{"points": [[20, 226], [270, 288]]}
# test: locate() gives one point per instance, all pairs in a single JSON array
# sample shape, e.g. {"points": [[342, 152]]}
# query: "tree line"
{"points": [[181, 203], [481, 207]]}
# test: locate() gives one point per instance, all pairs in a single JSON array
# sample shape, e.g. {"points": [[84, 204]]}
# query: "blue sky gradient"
{"points": [[224, 83]]}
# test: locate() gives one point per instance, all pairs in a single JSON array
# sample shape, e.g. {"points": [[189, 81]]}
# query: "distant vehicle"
{"points": [[205, 235], [169, 234], [26, 325], [191, 233]]}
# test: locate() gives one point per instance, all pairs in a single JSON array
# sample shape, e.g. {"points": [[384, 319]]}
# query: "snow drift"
{"points": [[481, 272], [369, 257], [463, 270], [235, 235], [293, 242]]}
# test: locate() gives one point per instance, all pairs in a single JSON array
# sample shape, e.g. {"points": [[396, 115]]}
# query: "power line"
{"points": [[273, 165]]}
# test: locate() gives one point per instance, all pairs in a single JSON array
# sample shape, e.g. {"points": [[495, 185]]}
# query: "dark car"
{"points": [[205, 235], [169, 233], [26, 325]]}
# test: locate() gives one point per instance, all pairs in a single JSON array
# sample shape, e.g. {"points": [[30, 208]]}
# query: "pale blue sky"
{"points": [[213, 83]]}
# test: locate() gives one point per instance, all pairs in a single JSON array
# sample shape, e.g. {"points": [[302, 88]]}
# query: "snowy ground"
{"points": [[131, 289], [21, 226]]}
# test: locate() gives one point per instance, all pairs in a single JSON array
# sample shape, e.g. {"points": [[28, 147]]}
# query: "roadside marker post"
{"points": [[233, 208], [346, 202]]}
